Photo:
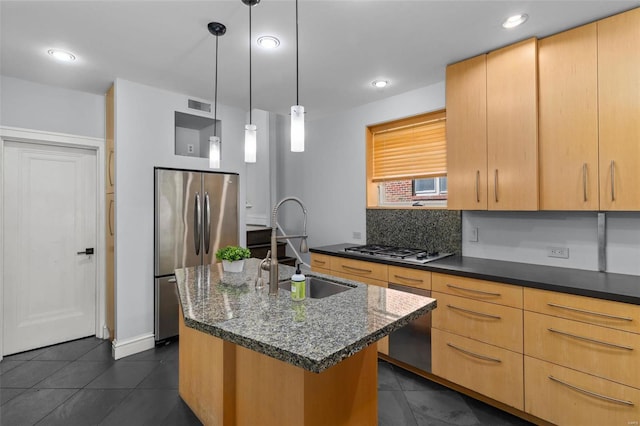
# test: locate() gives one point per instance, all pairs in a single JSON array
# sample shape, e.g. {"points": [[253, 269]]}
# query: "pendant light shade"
{"points": [[214, 152], [250, 145], [297, 128], [215, 148], [297, 111], [250, 130]]}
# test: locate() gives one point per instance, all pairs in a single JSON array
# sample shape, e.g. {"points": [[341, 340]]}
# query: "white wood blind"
{"points": [[410, 151]]}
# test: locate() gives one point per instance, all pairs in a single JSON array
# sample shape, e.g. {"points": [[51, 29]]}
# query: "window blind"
{"points": [[412, 151]]}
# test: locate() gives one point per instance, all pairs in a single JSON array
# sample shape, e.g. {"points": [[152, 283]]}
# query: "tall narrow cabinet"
{"points": [[568, 72], [466, 87], [619, 111], [512, 126], [110, 211]]}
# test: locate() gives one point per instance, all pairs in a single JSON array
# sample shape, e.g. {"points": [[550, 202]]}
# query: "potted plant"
{"points": [[233, 257]]}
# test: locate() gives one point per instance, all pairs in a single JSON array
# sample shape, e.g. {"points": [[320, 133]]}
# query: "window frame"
{"points": [[373, 187]]}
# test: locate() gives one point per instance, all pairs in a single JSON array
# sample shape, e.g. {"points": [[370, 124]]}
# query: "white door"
{"points": [[49, 216]]}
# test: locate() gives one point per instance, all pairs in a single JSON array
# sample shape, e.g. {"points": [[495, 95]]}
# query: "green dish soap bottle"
{"points": [[298, 285]]}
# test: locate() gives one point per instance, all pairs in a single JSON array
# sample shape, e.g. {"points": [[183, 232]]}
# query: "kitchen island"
{"points": [[247, 358]]}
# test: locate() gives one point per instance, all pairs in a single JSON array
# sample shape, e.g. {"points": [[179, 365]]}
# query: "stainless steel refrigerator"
{"points": [[196, 213]]}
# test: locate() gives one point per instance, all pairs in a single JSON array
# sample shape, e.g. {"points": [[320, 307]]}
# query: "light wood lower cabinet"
{"points": [[376, 271], [486, 369], [410, 277], [320, 261], [599, 351], [494, 324], [568, 397], [606, 313], [487, 291]]}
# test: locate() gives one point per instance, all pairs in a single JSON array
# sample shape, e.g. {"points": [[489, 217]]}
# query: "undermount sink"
{"points": [[318, 288]]}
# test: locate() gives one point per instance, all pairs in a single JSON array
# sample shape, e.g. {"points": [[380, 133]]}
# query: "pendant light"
{"points": [[297, 110], [217, 29], [250, 129]]}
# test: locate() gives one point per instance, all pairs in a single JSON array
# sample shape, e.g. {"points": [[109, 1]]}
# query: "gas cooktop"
{"points": [[402, 254]]}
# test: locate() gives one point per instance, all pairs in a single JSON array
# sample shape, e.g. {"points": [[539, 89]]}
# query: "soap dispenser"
{"points": [[298, 285]]}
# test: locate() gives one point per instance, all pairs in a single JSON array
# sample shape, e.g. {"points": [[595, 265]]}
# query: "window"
{"points": [[406, 162]]}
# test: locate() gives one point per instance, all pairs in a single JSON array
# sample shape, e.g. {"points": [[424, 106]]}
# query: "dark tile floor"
{"points": [[77, 383]]}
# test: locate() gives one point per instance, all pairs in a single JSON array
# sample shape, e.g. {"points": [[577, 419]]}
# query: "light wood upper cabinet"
{"points": [[568, 120], [512, 127], [619, 109], [466, 87]]}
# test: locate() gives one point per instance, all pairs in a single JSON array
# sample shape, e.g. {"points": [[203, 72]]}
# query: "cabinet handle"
{"points": [[584, 181], [415, 280], [583, 311], [477, 186], [480, 314], [197, 223], [357, 269], [495, 184], [487, 293], [319, 261], [109, 167], [613, 180], [473, 354], [590, 393], [110, 218], [587, 339]]}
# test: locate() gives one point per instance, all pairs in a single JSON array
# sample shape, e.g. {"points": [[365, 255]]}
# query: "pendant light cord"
{"points": [[250, 119], [215, 96], [297, 67]]}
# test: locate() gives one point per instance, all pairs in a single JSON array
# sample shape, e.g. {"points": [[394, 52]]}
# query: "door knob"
{"points": [[86, 251]]}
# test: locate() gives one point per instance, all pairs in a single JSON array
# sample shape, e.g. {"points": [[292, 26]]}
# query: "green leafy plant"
{"points": [[233, 253]]}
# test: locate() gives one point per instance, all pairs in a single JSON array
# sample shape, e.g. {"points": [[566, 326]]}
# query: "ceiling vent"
{"points": [[200, 106]]}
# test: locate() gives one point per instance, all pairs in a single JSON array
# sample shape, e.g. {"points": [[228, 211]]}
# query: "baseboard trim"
{"points": [[127, 347]]}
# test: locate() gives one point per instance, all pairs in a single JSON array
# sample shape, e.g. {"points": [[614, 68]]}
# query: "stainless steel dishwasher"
{"points": [[411, 344]]}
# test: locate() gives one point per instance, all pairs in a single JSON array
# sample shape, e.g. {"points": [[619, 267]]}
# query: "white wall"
{"points": [[330, 175], [144, 139], [39, 107], [526, 236]]}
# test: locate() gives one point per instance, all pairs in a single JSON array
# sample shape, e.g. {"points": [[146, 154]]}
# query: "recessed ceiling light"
{"points": [[379, 83], [514, 21], [62, 55], [268, 42]]}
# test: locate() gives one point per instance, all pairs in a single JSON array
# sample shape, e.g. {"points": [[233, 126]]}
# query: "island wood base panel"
{"points": [[226, 384]]}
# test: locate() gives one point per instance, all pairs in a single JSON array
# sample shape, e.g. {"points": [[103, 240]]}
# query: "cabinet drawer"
{"points": [[377, 271], [600, 351], [365, 280], [320, 261], [410, 277], [321, 270], [488, 291], [568, 397], [622, 316], [495, 324], [491, 371]]}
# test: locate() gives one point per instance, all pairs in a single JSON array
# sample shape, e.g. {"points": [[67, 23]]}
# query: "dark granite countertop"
{"points": [[313, 334], [601, 285]]}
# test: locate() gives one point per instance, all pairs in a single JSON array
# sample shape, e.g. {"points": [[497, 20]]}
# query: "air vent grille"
{"points": [[200, 106]]}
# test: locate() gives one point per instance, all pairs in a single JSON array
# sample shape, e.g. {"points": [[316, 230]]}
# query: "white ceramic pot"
{"points": [[235, 266]]}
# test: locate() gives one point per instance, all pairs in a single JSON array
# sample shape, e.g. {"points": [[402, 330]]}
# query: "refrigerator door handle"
{"points": [[207, 223], [197, 223]]}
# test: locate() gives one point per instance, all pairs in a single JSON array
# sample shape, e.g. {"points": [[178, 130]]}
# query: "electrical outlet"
{"points": [[357, 235], [190, 148], [473, 235], [561, 252]]}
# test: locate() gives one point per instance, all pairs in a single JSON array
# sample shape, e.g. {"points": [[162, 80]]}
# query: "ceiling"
{"points": [[344, 45]]}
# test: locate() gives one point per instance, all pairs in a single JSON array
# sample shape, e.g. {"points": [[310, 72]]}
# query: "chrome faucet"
{"points": [[273, 264]]}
